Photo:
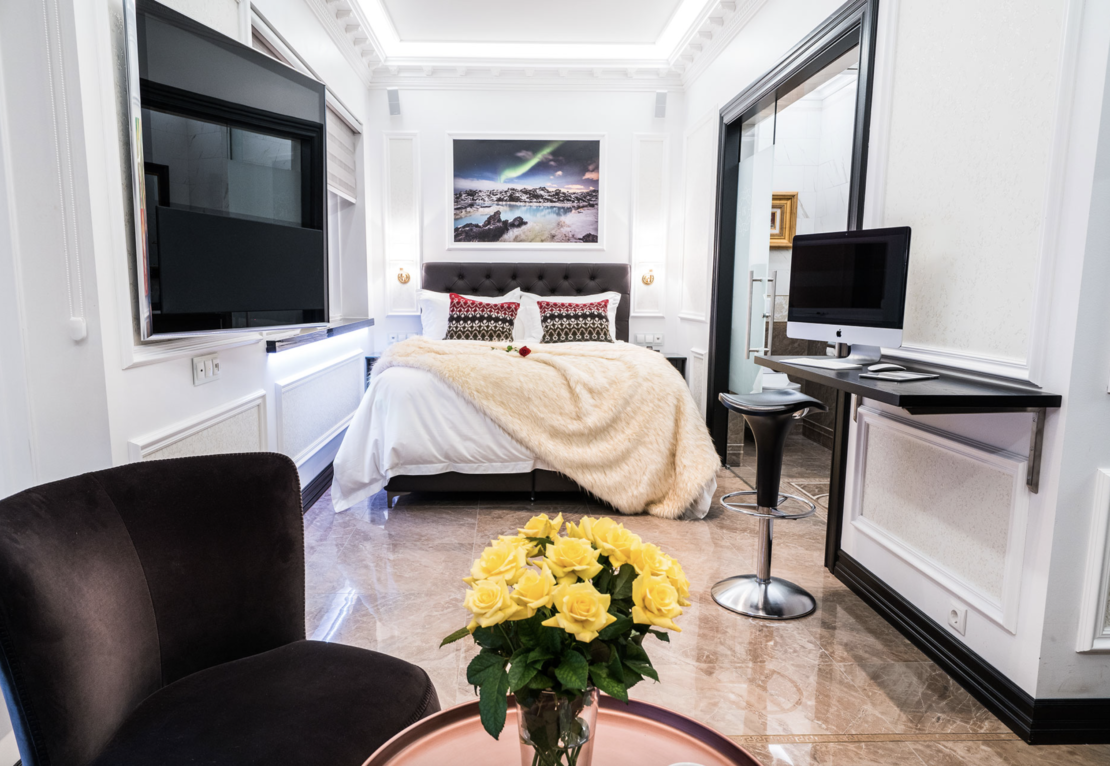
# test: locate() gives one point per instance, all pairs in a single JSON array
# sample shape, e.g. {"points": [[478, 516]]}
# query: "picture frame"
{"points": [[784, 218], [494, 160]]}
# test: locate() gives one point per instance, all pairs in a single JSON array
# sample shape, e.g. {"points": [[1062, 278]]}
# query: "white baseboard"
{"points": [[9, 752]]}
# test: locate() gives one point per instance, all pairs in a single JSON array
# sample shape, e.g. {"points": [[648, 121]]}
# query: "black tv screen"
{"points": [[233, 187]]}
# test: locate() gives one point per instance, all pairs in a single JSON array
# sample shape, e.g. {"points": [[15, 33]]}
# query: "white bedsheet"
{"points": [[412, 423]]}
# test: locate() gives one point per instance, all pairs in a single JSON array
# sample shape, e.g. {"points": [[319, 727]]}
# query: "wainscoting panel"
{"points": [[700, 197], [649, 221], [698, 379], [239, 426], [315, 406], [402, 220], [1094, 610], [953, 509]]}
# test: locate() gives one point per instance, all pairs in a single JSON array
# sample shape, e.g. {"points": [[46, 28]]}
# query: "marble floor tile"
{"points": [[390, 579]]}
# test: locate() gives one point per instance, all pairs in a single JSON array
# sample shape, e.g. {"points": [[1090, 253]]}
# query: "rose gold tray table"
{"points": [[636, 734]]}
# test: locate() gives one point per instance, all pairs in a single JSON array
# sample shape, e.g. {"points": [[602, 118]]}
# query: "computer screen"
{"points": [[850, 278]]}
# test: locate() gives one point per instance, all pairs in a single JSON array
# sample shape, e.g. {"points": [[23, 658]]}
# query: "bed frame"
{"points": [[493, 279]]}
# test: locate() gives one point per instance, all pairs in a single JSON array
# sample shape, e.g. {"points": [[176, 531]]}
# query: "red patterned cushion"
{"points": [[575, 322], [475, 320]]}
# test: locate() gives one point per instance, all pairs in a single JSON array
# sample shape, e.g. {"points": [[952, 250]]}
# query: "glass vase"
{"points": [[556, 730]]}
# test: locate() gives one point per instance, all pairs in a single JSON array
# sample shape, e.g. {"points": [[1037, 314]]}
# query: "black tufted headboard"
{"points": [[490, 279]]}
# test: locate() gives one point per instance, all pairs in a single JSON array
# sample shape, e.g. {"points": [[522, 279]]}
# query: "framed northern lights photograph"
{"points": [[526, 192]]}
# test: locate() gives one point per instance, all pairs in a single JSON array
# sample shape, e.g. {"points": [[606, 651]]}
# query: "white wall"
{"points": [[431, 114], [980, 294]]}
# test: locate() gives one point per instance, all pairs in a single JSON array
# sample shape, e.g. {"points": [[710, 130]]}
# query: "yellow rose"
{"points": [[656, 602], [678, 579], [503, 559], [650, 559], [614, 541], [581, 611], [583, 530], [490, 603], [571, 558], [530, 548], [541, 526], [534, 589]]}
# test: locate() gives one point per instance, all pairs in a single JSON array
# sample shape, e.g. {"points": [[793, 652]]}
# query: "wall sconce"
{"points": [[403, 276], [648, 278]]}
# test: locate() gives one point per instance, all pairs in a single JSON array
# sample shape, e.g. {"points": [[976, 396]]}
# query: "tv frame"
{"points": [[157, 96]]}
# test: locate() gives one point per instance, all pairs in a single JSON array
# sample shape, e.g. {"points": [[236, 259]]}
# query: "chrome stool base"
{"points": [[777, 599]]}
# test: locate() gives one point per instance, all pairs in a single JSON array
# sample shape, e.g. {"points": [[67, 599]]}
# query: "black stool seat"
{"points": [[781, 401]]}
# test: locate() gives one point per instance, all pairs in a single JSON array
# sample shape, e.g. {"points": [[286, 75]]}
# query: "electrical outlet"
{"points": [[205, 369], [957, 617], [393, 337], [658, 339]]}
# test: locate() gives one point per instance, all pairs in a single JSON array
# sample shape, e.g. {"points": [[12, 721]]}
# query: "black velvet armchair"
{"points": [[154, 614]]}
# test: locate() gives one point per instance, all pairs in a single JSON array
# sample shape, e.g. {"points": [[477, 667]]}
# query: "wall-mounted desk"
{"points": [[953, 393]]}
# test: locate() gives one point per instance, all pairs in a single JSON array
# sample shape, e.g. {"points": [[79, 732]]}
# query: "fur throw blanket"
{"points": [[616, 418]]}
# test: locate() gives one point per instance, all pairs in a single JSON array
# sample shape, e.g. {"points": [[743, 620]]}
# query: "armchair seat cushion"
{"points": [[304, 703]]}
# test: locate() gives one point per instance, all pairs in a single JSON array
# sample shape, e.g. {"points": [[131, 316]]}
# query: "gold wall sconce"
{"points": [[403, 276], [648, 278]]}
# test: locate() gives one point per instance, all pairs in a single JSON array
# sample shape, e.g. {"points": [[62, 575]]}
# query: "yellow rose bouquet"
{"points": [[559, 616]]}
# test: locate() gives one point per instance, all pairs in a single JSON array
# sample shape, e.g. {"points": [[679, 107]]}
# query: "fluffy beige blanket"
{"points": [[616, 418]]}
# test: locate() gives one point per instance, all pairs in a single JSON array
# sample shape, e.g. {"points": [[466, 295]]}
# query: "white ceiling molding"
{"points": [[705, 40], [348, 28], [694, 36]]}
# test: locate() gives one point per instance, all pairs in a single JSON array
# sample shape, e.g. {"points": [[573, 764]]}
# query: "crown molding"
{"points": [[345, 23], [698, 51], [517, 78]]}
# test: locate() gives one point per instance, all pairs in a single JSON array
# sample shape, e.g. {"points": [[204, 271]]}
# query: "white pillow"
{"points": [[530, 311], [434, 308]]}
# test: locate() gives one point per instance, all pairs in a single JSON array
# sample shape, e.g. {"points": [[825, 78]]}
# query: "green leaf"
{"points": [[641, 668], [599, 674], [485, 666], [490, 639], [660, 635], [520, 672], [622, 585], [604, 580], [538, 656], [572, 671], [540, 681], [493, 702], [621, 626], [460, 633]]}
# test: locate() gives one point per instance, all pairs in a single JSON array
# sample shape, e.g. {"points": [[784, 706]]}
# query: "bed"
{"points": [[415, 433]]}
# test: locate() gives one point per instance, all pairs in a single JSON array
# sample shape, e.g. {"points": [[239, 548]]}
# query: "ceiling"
{"points": [[531, 21]]}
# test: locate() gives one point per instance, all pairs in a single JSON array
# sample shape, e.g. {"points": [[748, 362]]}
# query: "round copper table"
{"points": [[636, 734]]}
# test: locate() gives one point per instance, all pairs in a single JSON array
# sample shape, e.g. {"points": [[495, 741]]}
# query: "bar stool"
{"points": [[770, 415]]}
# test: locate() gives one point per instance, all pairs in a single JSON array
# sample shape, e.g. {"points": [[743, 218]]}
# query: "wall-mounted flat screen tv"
{"points": [[230, 183]]}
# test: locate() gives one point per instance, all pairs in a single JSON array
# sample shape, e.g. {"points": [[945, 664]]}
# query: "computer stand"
{"points": [[858, 354]]}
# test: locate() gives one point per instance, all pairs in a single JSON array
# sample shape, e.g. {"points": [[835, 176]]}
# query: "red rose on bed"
{"points": [[524, 351]]}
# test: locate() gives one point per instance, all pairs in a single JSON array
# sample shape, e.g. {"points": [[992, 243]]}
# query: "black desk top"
{"points": [[952, 392]]}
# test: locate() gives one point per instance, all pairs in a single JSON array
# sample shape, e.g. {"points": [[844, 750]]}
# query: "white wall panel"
{"points": [[1094, 615], [698, 214], [312, 408], [402, 220], [239, 426], [649, 221], [954, 509], [969, 166]]}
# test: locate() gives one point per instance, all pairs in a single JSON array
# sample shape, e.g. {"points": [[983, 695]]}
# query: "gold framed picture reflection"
{"points": [[784, 218]]}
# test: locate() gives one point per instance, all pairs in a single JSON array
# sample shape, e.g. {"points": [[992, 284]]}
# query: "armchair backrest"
{"points": [[116, 583]]}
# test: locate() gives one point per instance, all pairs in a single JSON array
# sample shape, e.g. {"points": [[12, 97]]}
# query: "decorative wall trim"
{"points": [[650, 218], [700, 51], [698, 382], [142, 446], [1094, 604], [1037, 721], [697, 215], [1004, 610], [403, 225], [284, 388], [345, 23]]}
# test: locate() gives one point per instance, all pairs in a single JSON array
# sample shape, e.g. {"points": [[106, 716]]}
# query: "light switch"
{"points": [[205, 369]]}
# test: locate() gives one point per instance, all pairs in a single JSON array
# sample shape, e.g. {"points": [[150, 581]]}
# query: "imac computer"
{"points": [[849, 287]]}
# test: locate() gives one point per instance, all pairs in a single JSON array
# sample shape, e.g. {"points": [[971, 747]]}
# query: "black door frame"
{"points": [[853, 24]]}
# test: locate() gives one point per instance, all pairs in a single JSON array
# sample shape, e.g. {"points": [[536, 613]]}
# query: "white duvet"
{"points": [[412, 423]]}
